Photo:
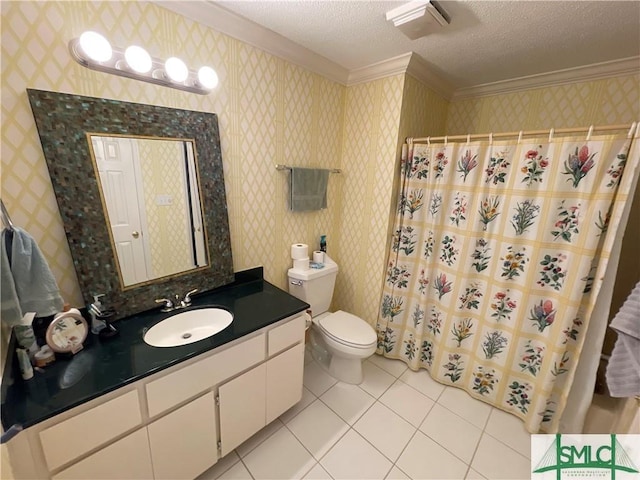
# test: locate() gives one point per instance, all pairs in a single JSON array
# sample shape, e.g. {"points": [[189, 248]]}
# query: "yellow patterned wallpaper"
{"points": [[372, 117], [270, 111], [599, 102]]}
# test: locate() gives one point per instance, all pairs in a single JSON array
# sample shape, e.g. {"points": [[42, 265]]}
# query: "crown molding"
{"points": [[386, 68], [595, 71], [240, 28], [420, 70]]}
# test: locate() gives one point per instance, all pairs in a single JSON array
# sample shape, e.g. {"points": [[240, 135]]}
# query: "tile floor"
{"points": [[397, 424]]}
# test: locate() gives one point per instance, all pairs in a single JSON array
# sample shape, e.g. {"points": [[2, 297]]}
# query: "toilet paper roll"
{"points": [[318, 256], [301, 264], [299, 251]]}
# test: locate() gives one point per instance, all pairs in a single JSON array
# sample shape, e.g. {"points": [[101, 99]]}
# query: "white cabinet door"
{"points": [[242, 407], [127, 458], [184, 443], [284, 381]]}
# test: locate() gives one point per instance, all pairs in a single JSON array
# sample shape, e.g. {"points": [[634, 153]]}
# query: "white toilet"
{"points": [[340, 341]]}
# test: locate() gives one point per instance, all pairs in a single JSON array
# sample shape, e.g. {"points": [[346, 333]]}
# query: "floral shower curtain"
{"points": [[498, 253]]}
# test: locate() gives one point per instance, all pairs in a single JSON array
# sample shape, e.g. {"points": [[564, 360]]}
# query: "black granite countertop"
{"points": [[106, 365]]}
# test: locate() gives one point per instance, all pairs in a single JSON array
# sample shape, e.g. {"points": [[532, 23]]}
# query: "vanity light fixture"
{"points": [[94, 51], [138, 59]]}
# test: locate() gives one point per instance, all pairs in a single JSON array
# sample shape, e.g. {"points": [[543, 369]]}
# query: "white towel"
{"points": [[10, 311], [623, 371], [35, 285]]}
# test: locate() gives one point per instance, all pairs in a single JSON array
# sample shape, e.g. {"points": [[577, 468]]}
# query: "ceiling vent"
{"points": [[418, 18]]}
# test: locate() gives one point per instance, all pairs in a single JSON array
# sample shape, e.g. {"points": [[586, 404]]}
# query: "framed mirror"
{"points": [[151, 200], [77, 133]]}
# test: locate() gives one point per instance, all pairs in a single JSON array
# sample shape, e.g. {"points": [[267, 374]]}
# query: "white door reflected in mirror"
{"points": [[150, 190]]}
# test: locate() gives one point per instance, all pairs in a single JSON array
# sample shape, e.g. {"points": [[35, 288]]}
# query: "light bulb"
{"points": [[96, 46], [208, 77], [138, 59], [176, 69]]}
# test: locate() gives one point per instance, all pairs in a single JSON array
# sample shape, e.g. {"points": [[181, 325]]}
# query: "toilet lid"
{"points": [[347, 328]]}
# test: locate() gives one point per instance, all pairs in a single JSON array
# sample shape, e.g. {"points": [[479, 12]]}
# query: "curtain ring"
{"points": [[445, 140], [491, 138], [428, 142], [520, 136], [403, 155], [551, 135], [468, 138], [589, 133], [633, 127]]}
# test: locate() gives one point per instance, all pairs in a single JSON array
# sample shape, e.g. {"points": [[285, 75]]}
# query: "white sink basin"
{"points": [[188, 327]]}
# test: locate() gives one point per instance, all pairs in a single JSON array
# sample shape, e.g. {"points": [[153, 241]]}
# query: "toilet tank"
{"points": [[314, 286]]}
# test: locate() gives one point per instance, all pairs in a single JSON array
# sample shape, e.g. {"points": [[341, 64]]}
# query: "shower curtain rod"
{"points": [[551, 132]]}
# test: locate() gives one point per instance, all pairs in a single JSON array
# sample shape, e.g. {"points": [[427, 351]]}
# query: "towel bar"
{"points": [[287, 167]]}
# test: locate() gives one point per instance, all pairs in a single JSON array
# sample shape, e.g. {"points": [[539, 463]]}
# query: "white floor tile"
{"points": [[397, 474], [307, 399], [425, 459], [348, 401], [407, 402], [280, 456], [473, 475], [316, 379], [495, 460], [385, 430], [237, 472], [376, 380], [224, 464], [317, 473], [354, 458], [258, 438], [389, 365], [469, 408], [510, 430], [422, 381], [318, 428], [452, 432]]}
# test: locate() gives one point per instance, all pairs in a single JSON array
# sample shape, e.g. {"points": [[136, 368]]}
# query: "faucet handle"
{"points": [[187, 296], [168, 304]]}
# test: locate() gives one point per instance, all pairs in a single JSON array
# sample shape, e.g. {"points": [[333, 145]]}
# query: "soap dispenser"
{"points": [[95, 310]]}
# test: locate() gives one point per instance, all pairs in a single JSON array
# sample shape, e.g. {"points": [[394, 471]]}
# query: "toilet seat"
{"points": [[348, 330]]}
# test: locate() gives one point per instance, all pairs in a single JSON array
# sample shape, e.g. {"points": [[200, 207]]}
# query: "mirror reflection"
{"points": [[151, 197]]}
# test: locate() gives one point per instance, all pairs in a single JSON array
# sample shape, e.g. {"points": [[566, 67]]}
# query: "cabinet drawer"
{"points": [[187, 382], [286, 335], [77, 435], [127, 458]]}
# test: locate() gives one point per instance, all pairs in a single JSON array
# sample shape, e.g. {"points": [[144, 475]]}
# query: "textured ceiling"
{"points": [[487, 41]]}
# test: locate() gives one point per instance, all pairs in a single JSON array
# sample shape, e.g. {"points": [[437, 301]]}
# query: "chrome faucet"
{"points": [[176, 303], [187, 298]]}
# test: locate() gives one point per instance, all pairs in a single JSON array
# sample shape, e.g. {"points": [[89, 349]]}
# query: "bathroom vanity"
{"points": [[124, 409]]}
